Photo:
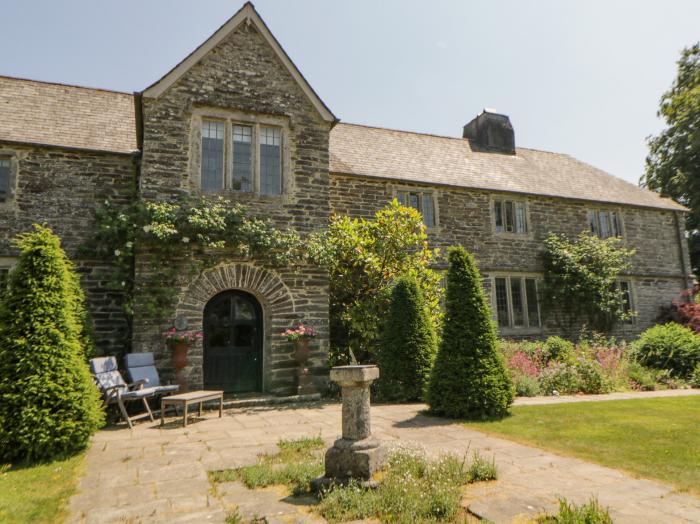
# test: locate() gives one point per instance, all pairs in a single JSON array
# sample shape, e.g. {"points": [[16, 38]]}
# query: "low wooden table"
{"points": [[186, 399]]}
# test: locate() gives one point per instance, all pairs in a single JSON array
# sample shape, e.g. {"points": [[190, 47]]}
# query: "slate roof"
{"points": [[71, 116], [431, 159], [63, 115]]}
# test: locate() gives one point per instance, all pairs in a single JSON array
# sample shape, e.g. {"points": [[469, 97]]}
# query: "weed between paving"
{"points": [[411, 488]]}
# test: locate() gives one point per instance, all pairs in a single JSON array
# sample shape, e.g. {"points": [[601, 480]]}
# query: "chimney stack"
{"points": [[491, 132]]}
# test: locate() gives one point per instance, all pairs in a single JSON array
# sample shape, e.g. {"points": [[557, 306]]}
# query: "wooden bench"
{"points": [[186, 399]]}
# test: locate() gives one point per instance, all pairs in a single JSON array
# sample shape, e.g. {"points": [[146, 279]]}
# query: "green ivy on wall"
{"points": [[177, 238]]}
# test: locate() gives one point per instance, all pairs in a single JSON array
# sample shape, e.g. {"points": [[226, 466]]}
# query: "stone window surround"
{"points": [[13, 157], [632, 298], [618, 211], [434, 193], [7, 263], [231, 118], [528, 235], [510, 330]]}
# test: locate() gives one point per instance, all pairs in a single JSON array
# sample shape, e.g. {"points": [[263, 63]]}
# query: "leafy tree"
{"points": [[408, 344], [673, 164], [469, 378], [50, 405], [580, 280], [364, 257]]}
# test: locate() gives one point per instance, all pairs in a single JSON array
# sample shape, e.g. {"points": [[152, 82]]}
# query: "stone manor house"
{"points": [[237, 118]]}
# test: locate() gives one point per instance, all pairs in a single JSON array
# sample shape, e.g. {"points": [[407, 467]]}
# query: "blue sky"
{"points": [[579, 77]]}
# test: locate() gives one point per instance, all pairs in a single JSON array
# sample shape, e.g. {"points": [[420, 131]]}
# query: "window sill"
{"points": [[505, 331], [514, 236]]}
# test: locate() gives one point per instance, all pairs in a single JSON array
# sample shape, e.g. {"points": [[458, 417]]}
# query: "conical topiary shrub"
{"points": [[469, 379], [408, 344], [50, 405]]}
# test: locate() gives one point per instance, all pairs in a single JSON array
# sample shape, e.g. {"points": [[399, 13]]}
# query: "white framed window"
{"points": [[517, 302], [510, 216], [245, 157], [604, 223], [421, 201], [5, 175]]}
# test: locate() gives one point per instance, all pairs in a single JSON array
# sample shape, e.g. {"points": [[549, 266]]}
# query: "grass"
{"points": [[297, 462], [655, 438], [38, 493], [411, 489], [569, 513]]}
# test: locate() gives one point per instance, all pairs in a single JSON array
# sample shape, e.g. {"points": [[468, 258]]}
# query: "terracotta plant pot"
{"points": [[179, 354], [302, 350]]}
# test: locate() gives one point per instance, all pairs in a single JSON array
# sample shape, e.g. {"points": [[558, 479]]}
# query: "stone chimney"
{"points": [[491, 131]]}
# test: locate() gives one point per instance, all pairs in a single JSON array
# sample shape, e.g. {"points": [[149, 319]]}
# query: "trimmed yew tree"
{"points": [[469, 379], [408, 345], [50, 405]]}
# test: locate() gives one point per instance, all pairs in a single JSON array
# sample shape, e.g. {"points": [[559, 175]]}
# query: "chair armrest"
{"points": [[138, 384]]}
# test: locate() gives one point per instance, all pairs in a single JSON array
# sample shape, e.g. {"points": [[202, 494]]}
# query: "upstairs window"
{"points": [[270, 161], [517, 302], [510, 216], [421, 201], [251, 163], [212, 155], [242, 158], [5, 166], [604, 223]]}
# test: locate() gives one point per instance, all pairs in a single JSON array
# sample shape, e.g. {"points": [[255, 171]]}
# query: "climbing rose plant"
{"points": [[169, 235]]}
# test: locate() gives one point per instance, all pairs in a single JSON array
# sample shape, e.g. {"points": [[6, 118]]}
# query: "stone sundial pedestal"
{"points": [[357, 454]]}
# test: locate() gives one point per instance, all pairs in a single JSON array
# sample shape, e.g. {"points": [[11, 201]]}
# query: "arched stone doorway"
{"points": [[233, 343]]}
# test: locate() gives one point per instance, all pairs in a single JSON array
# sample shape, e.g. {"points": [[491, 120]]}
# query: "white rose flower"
{"points": [[117, 252], [147, 228], [129, 244], [185, 240]]}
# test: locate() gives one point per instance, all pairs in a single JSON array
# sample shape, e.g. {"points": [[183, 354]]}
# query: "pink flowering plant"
{"points": [[299, 332], [173, 336]]}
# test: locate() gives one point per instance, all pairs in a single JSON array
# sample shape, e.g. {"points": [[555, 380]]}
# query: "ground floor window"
{"points": [[626, 304], [517, 302]]}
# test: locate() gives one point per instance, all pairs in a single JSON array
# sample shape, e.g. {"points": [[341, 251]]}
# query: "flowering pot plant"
{"points": [[174, 337], [301, 332]]}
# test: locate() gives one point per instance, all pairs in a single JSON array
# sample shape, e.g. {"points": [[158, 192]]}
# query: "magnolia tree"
{"points": [[364, 258], [580, 281]]}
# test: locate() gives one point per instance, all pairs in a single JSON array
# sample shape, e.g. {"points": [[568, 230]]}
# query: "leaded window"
{"points": [[4, 273], [212, 155], [421, 201], [517, 302], [604, 223], [510, 216], [270, 161], [242, 158], [5, 166]]}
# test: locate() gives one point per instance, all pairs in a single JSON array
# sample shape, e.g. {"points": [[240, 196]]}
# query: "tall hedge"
{"points": [[408, 344], [49, 405], [469, 379]]}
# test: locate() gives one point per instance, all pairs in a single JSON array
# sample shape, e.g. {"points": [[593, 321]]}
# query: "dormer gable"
{"points": [[246, 15]]}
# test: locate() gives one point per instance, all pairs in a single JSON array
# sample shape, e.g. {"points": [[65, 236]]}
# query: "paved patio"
{"points": [[153, 474]]}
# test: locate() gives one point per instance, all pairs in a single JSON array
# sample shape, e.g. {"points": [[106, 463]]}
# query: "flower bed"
{"points": [[596, 365]]}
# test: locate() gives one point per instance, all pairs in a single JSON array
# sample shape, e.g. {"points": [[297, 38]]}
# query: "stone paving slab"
{"points": [[152, 474]]}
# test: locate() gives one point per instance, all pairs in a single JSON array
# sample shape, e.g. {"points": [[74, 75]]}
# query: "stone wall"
{"points": [[62, 188], [242, 77], [659, 267]]}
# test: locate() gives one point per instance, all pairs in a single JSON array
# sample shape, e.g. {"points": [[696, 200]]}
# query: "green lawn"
{"points": [[654, 438], [38, 493]]}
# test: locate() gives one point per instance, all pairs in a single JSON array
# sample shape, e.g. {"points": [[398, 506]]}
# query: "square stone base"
{"points": [[344, 461]]}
